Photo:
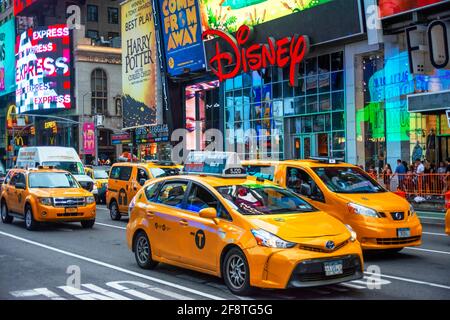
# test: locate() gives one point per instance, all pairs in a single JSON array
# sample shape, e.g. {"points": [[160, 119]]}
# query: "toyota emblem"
{"points": [[330, 245]]}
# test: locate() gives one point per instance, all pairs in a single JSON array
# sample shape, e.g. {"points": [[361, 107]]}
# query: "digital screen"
{"points": [[43, 69], [19, 5], [7, 61], [231, 14], [393, 7]]}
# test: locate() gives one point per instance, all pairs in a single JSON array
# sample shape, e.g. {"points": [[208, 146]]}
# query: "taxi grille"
{"points": [[69, 202], [74, 214], [316, 249], [314, 270], [395, 241]]}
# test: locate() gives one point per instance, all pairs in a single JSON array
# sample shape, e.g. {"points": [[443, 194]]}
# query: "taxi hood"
{"points": [[381, 202], [302, 228], [61, 193]]}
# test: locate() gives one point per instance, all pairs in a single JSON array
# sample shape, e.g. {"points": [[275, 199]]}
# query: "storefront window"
{"points": [[308, 120]]}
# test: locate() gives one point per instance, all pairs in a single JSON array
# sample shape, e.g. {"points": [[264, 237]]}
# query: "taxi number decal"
{"points": [[123, 197], [200, 239]]}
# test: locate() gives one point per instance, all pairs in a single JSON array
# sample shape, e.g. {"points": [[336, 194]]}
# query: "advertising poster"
{"points": [[182, 34], [229, 15], [7, 61], [89, 138], [43, 69], [19, 5], [138, 64], [393, 7]]}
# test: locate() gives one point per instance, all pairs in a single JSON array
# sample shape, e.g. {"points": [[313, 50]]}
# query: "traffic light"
{"points": [[55, 129]]}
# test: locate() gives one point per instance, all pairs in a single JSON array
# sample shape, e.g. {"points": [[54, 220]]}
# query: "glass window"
{"points": [[141, 176], [113, 15], [338, 141], [100, 174], [324, 63], [338, 101], [337, 61], [311, 104], [337, 81], [199, 198], [301, 182], [125, 173], [92, 13], [338, 121], [324, 102], [92, 34], [115, 173], [72, 166], [99, 88], [52, 180], [172, 194], [151, 191], [299, 105], [164, 172], [263, 172], [324, 82], [311, 85], [311, 66]]}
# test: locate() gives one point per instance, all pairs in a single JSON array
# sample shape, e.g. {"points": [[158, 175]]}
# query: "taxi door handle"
{"points": [[184, 223], [149, 214]]}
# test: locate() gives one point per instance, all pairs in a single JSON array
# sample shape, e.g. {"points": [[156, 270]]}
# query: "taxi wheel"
{"points": [[236, 272], [6, 218], [87, 224], [30, 223], [143, 251], [114, 211]]}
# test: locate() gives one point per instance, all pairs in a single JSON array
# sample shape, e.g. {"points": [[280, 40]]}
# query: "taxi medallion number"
{"points": [[333, 268]]}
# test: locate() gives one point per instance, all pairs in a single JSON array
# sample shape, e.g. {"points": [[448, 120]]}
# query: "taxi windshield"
{"points": [[100, 174], [52, 180], [72, 166], [263, 200], [348, 180], [164, 172]]}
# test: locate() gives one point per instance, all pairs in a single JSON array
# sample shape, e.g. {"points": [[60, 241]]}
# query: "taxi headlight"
{"points": [[364, 211], [46, 201], [412, 211], [267, 239], [90, 200], [352, 233]]}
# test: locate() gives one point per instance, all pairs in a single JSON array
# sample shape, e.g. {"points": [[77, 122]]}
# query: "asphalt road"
{"points": [[65, 261]]}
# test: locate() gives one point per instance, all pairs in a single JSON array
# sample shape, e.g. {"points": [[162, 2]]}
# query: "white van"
{"points": [[58, 157]]}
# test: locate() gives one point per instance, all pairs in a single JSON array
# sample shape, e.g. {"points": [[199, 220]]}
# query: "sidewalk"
{"points": [[431, 217]]}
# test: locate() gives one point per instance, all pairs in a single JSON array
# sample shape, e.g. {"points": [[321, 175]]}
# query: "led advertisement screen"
{"points": [[181, 28], [19, 5], [393, 7], [7, 61], [229, 15], [43, 69], [138, 64]]}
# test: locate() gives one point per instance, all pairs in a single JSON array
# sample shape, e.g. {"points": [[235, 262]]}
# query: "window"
{"points": [[92, 13], [261, 172], [18, 178], [300, 182], [99, 88], [121, 173], [113, 15], [112, 35], [92, 34], [8, 177], [200, 198], [151, 191], [172, 194], [142, 174]]}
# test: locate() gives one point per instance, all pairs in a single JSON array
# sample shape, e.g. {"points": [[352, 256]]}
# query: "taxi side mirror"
{"points": [[208, 213]]}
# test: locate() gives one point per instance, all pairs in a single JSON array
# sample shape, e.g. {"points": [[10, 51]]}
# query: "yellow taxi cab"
{"points": [[45, 195], [126, 179], [252, 233], [100, 177], [382, 220], [447, 222]]}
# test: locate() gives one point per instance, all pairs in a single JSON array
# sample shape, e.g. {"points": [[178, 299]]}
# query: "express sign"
{"points": [[288, 51]]}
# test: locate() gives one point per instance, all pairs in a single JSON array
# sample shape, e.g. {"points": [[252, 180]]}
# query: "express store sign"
{"points": [[244, 56], [43, 63]]}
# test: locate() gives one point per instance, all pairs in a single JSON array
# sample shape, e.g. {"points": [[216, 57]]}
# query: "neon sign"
{"points": [[288, 51]]}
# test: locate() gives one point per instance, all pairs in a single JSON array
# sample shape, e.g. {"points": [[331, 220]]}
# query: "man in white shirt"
{"points": [[420, 167]]}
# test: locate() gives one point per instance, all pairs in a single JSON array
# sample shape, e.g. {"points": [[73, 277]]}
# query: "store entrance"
{"points": [[311, 145], [444, 148]]}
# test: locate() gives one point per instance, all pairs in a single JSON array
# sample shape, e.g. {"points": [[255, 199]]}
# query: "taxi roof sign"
{"points": [[218, 163], [327, 160]]}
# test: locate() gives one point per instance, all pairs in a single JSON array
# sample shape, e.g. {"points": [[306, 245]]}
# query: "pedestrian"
{"points": [[420, 170], [400, 171], [387, 173], [372, 172]]}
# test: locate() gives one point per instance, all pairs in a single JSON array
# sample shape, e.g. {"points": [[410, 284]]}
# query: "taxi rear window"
{"points": [[264, 172]]}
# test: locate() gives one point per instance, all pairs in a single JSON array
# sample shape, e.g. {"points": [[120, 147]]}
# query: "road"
{"points": [[65, 261]]}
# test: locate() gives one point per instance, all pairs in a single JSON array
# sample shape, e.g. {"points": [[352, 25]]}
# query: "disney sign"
{"points": [[288, 51]]}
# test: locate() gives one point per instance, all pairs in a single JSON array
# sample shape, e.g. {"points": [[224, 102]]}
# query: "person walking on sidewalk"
{"points": [[400, 171]]}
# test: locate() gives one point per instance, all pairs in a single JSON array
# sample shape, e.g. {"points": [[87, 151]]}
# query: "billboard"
{"points": [[43, 69], [182, 35], [7, 61], [19, 5], [394, 7], [89, 138], [138, 64], [228, 15]]}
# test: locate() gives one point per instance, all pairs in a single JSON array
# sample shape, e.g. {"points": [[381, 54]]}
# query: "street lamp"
{"points": [[82, 124]]}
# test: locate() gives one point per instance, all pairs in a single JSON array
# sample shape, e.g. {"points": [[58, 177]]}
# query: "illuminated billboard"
{"points": [[43, 64], [393, 7], [230, 14], [7, 67], [19, 5]]}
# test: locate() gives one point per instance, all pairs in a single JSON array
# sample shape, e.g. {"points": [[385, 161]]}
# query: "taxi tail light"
{"points": [[447, 200]]}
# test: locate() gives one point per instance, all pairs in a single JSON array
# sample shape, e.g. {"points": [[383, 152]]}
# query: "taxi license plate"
{"points": [[71, 210], [333, 268], [403, 233]]}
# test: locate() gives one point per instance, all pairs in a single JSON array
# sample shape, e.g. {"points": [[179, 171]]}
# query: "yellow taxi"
{"points": [[381, 219], [100, 177], [126, 179], [252, 233], [447, 222], [45, 195]]}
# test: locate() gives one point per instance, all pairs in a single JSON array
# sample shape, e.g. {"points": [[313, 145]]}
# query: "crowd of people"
{"points": [[422, 176]]}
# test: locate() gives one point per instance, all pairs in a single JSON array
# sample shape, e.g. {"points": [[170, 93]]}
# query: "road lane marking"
{"points": [[110, 226], [435, 234], [414, 281], [36, 292], [110, 266], [120, 286], [351, 285], [427, 250]]}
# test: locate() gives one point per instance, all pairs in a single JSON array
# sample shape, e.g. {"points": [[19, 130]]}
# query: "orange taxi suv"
{"points": [[381, 219], [45, 194], [252, 233]]}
